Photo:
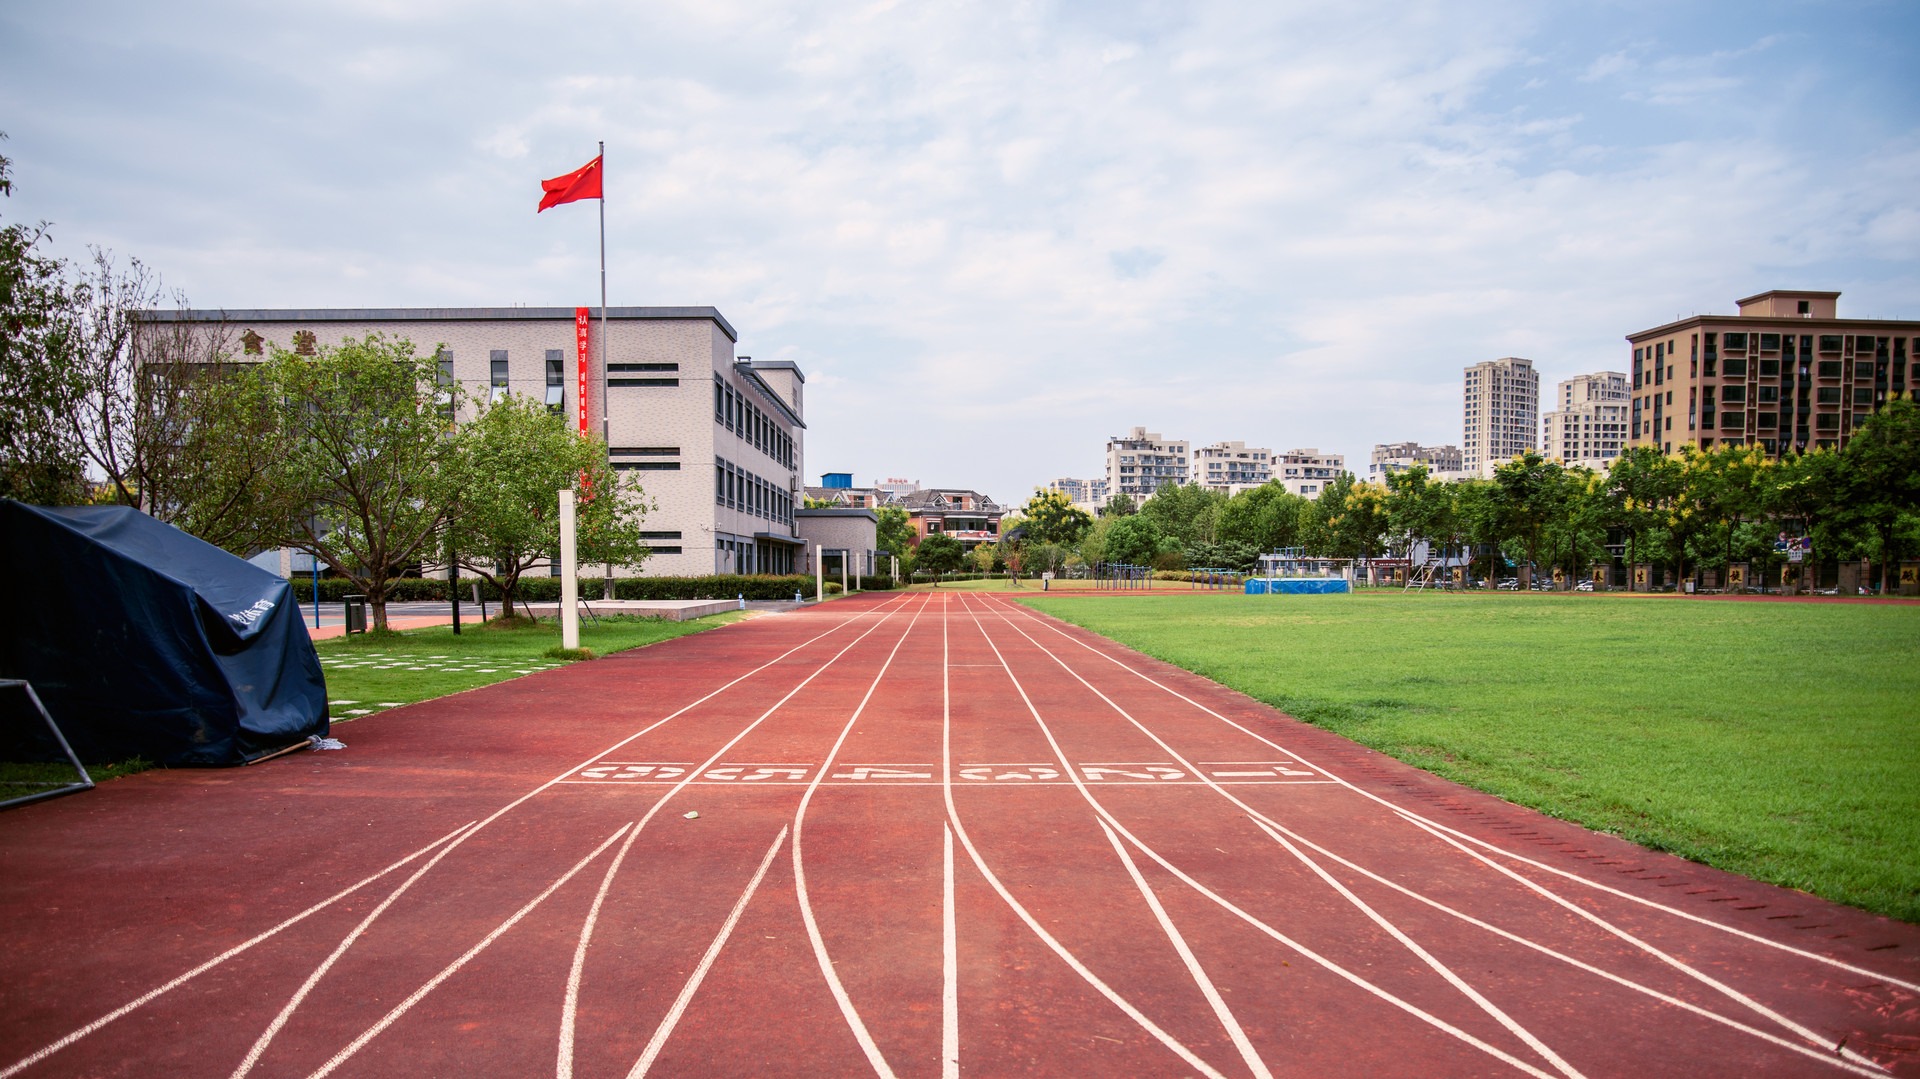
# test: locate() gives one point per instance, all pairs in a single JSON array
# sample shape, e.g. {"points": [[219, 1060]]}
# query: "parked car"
{"points": [[1509, 584], [1584, 586]]}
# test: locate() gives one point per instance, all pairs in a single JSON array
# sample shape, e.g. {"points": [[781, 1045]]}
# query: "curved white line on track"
{"points": [[980, 863], [1821, 1054], [949, 966], [450, 969], [151, 995], [319, 972], [672, 1019], [1432, 961], [1221, 1012], [1721, 987], [1485, 1005], [1504, 852], [569, 1008], [871, 1048]]}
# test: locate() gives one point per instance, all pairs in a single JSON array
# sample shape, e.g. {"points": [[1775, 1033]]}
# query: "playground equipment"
{"points": [[1214, 579], [1121, 576]]}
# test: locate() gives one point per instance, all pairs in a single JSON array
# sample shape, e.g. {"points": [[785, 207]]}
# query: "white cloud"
{"points": [[1013, 230]]}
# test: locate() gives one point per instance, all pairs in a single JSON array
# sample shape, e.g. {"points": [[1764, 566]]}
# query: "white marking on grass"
{"points": [[451, 968], [672, 1018], [1575, 877], [847, 1011], [154, 994]]}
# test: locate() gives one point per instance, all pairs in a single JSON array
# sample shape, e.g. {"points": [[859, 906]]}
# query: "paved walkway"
{"points": [[925, 834]]}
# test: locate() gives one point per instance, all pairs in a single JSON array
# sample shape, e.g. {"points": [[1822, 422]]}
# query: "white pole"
{"points": [[844, 556], [819, 574], [569, 576]]}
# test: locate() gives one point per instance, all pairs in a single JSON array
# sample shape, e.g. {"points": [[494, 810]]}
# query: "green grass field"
{"points": [[1776, 740], [371, 673]]}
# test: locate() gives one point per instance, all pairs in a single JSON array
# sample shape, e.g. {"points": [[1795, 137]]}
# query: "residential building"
{"points": [[1588, 426], [837, 489], [1231, 466], [844, 538], [1307, 472], [719, 439], [1089, 494], [1141, 462], [1501, 414], [966, 515], [1785, 373], [1391, 457]]}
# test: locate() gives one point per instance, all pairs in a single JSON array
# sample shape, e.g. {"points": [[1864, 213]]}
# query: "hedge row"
{"points": [[547, 589]]}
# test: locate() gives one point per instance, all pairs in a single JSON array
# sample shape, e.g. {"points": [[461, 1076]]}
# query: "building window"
{"points": [[556, 382], [497, 380]]}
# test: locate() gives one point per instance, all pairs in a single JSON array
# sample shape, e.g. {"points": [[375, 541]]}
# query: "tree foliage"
{"points": [[939, 553], [40, 457], [502, 479], [1050, 517], [360, 484]]}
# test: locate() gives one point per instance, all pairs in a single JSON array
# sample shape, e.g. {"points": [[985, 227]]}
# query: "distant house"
{"points": [[966, 515]]}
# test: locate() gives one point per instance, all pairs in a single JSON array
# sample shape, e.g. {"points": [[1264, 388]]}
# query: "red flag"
{"points": [[582, 183]]}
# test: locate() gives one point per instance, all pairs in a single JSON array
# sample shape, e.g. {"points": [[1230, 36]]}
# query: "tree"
{"points": [[502, 481], [1186, 513], [1266, 518], [359, 486], [894, 535], [1136, 541], [1353, 515], [1120, 505], [1880, 477], [1640, 484], [939, 554], [40, 459], [1526, 497], [1052, 518]]}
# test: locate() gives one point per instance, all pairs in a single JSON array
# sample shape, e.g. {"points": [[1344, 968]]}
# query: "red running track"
{"points": [[935, 835]]}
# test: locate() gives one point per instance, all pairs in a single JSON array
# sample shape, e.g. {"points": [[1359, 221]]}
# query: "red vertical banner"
{"points": [[580, 326]]}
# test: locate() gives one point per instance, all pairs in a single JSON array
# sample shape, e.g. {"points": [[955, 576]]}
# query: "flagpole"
{"points": [[606, 426]]}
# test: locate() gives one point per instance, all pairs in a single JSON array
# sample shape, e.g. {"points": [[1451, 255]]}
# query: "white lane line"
{"points": [[570, 1005], [1823, 1054], [871, 1048], [949, 969], [1701, 976], [176, 983], [586, 929], [1504, 852], [280, 1020], [672, 1018], [1481, 1001], [433, 983], [980, 863], [1220, 1010]]}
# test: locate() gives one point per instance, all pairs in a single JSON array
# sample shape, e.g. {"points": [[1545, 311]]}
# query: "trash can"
{"points": [[356, 614]]}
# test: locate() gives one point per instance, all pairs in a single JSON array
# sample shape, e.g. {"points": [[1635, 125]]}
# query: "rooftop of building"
{"points": [[443, 314], [1770, 308]]}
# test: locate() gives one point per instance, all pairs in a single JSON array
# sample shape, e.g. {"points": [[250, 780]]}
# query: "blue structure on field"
{"points": [[1290, 571]]}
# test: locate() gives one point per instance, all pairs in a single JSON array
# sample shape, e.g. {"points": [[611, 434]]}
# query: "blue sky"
{"points": [[994, 235]]}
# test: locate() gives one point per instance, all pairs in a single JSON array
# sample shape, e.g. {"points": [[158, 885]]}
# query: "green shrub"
{"points": [[874, 584]]}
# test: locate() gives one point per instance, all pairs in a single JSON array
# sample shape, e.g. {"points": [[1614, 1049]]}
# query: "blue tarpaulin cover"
{"points": [[144, 641], [1295, 586]]}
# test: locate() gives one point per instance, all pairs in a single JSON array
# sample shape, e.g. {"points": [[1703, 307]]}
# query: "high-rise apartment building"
{"points": [[1786, 373], [1232, 466], [1089, 494], [1391, 457], [1588, 424], [1307, 472], [1141, 462], [1502, 412]]}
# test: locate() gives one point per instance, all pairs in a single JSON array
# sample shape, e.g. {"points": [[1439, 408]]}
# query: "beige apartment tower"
{"points": [[1501, 414], [1786, 373], [1141, 462], [1228, 467], [1588, 424]]}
